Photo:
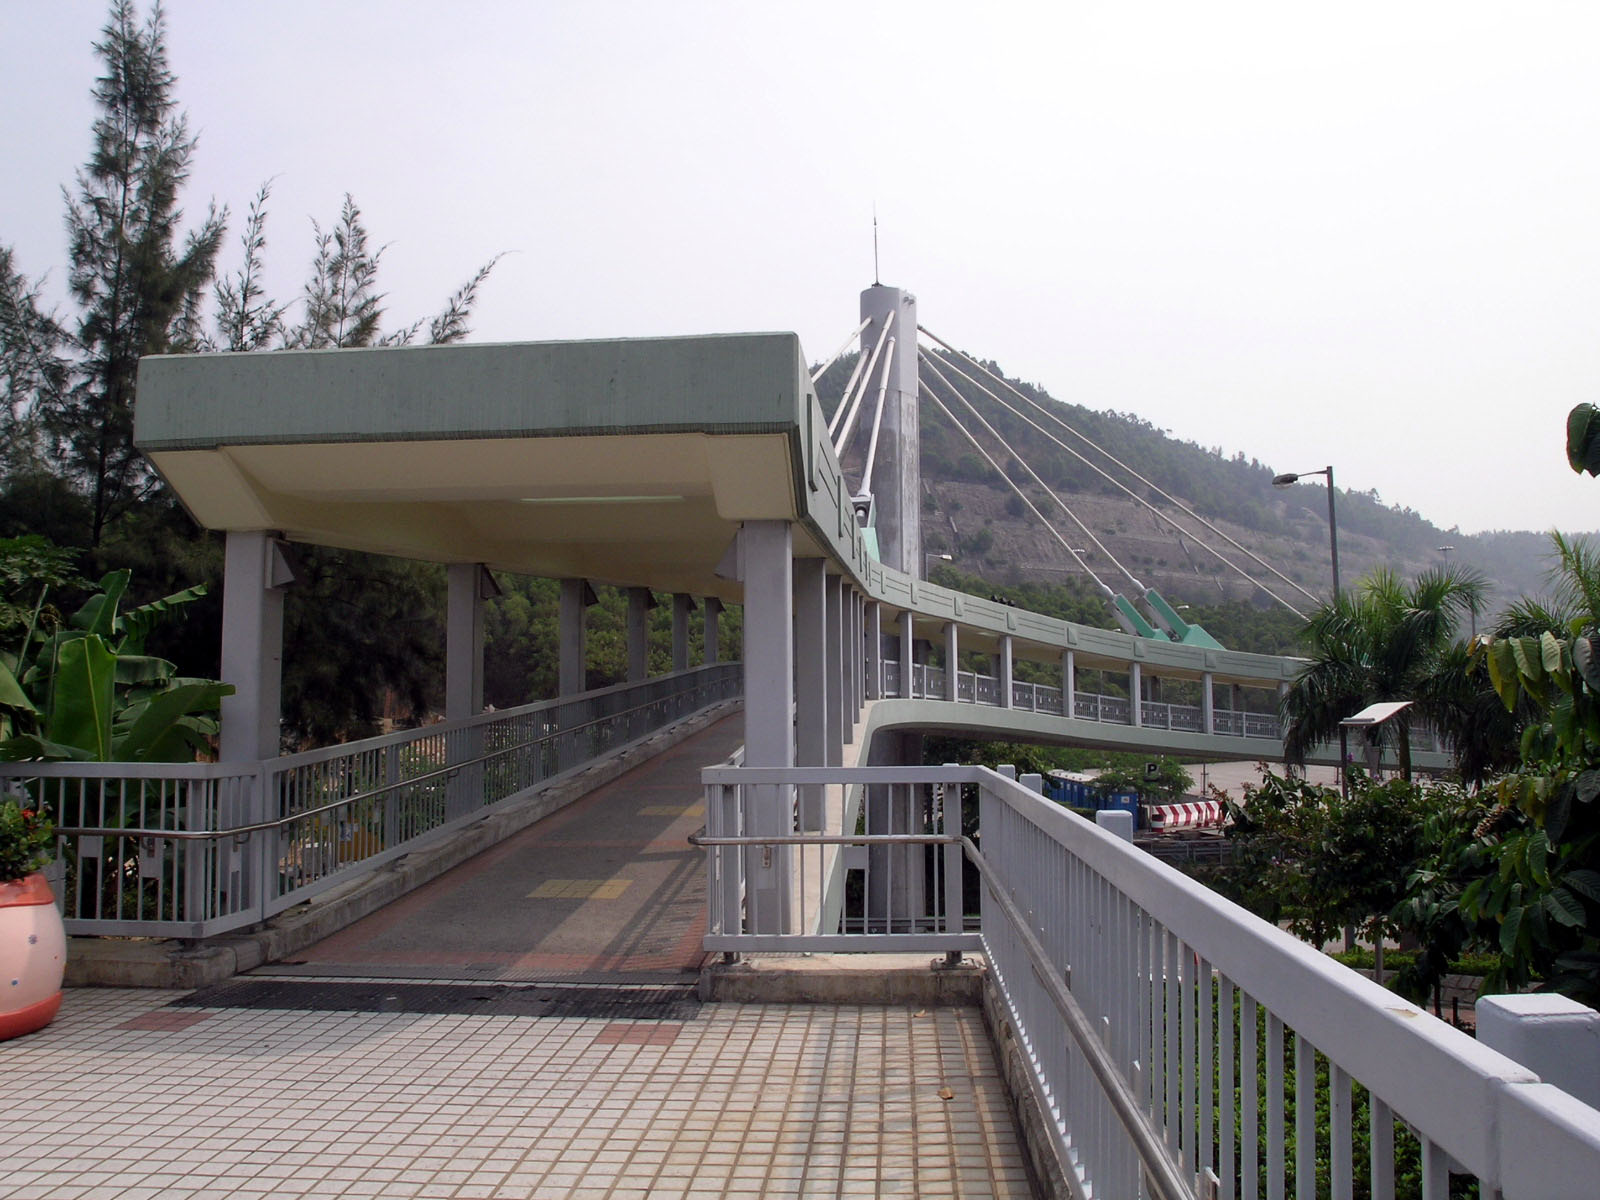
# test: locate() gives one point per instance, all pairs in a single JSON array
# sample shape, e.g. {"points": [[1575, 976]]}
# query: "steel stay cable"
{"points": [[846, 429], [843, 346], [1010, 449], [1052, 529], [844, 397], [933, 365], [877, 422], [1087, 532], [1148, 483]]}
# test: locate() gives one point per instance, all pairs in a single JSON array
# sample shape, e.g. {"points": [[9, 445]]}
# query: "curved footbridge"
{"points": [[1116, 990], [697, 466]]}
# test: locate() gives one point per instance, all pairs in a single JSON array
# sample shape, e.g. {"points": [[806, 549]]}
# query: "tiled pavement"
{"points": [[123, 1097]]}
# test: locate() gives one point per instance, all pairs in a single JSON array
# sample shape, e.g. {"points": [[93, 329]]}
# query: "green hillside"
{"points": [[972, 513]]}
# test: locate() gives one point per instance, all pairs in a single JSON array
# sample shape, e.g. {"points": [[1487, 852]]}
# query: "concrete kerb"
{"points": [[899, 979], [170, 963], [1033, 1126]]}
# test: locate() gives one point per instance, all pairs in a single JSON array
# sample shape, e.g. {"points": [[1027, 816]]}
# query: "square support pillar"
{"points": [[1006, 672], [1135, 694], [768, 572], [682, 606], [838, 678], [573, 658], [1069, 683], [466, 588], [254, 575], [952, 661], [908, 652], [1208, 703], [811, 728], [874, 649], [712, 610], [640, 602], [854, 658]]}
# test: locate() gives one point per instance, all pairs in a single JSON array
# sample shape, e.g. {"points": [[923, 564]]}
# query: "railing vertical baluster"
{"points": [[1381, 1140], [1205, 1145], [1275, 1109], [954, 901], [1186, 1048], [1305, 1119], [1340, 1176], [1249, 1101], [1173, 1118], [1226, 1137], [1435, 1171]]}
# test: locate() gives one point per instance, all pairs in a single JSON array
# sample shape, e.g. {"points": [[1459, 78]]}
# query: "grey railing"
{"points": [[1177, 1044], [928, 683], [195, 849]]}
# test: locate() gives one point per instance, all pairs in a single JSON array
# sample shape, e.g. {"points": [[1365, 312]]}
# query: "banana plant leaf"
{"points": [[162, 728], [83, 698]]}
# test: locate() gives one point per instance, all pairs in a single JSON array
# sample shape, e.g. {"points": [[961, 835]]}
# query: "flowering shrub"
{"points": [[27, 840]]}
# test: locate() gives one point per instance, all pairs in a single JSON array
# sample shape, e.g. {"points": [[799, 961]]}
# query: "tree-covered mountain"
{"points": [[972, 513]]}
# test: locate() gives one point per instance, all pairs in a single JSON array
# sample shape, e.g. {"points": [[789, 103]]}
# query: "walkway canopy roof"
{"points": [[625, 461]]}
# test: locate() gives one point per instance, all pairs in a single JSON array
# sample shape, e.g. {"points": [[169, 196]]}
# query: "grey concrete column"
{"points": [[1069, 683], [858, 672], [712, 609], [811, 727], [952, 660], [1135, 694], [463, 641], [908, 648], [1208, 707], [573, 662], [874, 649], [767, 557], [254, 575], [1007, 668], [838, 730], [639, 605], [682, 606]]}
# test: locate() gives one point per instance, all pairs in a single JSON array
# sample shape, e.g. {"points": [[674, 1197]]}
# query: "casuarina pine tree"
{"points": [[137, 277]]}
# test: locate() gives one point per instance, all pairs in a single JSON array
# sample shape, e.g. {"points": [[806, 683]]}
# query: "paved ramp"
{"points": [[606, 890]]}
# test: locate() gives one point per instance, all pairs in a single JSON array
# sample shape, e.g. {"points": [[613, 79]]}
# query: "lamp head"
{"points": [[1285, 480]]}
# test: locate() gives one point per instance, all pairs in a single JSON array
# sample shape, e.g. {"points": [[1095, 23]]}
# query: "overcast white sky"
{"points": [[1359, 234]]}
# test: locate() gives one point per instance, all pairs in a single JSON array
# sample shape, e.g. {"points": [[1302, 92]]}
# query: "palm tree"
{"points": [[1383, 640]]}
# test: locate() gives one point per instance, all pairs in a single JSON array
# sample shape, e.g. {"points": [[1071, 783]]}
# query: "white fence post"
{"points": [[1555, 1037]]}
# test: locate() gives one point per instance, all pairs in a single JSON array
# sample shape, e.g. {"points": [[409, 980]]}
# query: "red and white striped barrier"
{"points": [[1201, 814]]}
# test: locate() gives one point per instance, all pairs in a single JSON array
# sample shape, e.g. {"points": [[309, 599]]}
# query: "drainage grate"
{"points": [[496, 1000]]}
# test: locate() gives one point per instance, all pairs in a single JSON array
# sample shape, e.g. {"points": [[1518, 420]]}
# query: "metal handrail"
{"points": [[370, 794], [827, 839], [1165, 1178], [1162, 1174]]}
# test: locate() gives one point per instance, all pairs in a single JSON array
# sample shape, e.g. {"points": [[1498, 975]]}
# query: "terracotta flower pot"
{"points": [[33, 954]]}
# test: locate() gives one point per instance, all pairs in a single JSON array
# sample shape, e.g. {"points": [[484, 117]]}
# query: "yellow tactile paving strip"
{"points": [[580, 889], [743, 1101]]}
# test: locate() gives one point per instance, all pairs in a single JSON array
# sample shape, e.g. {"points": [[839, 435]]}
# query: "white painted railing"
{"points": [[928, 683], [1174, 1039], [195, 849]]}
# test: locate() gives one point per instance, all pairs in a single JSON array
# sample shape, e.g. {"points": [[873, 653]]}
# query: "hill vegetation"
{"points": [[971, 512]]}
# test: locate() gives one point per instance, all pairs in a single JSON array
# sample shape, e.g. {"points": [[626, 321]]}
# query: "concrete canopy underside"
{"points": [[629, 462]]}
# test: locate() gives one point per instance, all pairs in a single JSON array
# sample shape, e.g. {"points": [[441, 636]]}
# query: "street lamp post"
{"points": [[932, 555], [1333, 544], [1333, 524]]}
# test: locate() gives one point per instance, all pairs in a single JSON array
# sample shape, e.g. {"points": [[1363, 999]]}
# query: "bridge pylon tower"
{"points": [[896, 483]]}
